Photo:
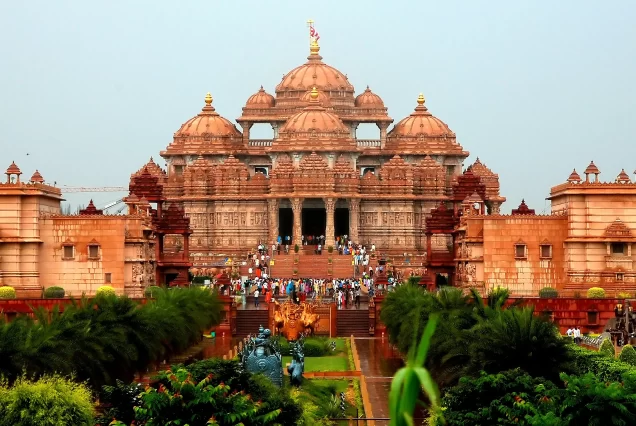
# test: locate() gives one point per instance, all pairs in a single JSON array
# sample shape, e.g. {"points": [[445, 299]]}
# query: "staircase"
{"points": [[248, 321], [313, 266], [352, 321], [283, 266]]}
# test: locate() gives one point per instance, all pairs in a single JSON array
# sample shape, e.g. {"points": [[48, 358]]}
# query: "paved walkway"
{"points": [[378, 362]]}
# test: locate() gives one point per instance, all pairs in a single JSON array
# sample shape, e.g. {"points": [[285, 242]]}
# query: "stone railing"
{"points": [[368, 143], [260, 142]]}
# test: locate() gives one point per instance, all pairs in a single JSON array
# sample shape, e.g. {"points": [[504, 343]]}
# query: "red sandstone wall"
{"points": [[524, 276]]}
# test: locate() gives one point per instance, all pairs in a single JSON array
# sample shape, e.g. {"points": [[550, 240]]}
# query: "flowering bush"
{"points": [[7, 292], [106, 290], [596, 293]]}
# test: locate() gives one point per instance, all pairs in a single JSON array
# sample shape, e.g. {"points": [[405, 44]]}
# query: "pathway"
{"points": [[378, 362]]}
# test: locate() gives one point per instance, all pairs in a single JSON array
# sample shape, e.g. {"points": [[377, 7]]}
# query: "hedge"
{"points": [[54, 293], [628, 355], [596, 293], [7, 292], [106, 290], [314, 346], [605, 368], [607, 348], [548, 292]]}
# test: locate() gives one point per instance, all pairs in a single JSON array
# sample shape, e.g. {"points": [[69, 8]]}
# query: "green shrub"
{"points": [[199, 279], [628, 355], [595, 293], [49, 401], [548, 293], [106, 290], [296, 248], [314, 346], [152, 290], [605, 368], [624, 295], [607, 348], [330, 249], [54, 293], [7, 292]]}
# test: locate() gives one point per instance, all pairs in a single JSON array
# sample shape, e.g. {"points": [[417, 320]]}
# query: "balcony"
{"points": [[368, 143], [260, 143], [619, 262]]}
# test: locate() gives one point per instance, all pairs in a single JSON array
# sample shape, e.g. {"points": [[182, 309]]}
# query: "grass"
{"points": [[322, 363], [319, 392]]}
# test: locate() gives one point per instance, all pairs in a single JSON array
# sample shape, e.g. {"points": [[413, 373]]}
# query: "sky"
{"points": [[91, 90]]}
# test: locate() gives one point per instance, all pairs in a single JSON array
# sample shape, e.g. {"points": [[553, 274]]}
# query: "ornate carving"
{"points": [[330, 206], [354, 218], [291, 320], [297, 207]]}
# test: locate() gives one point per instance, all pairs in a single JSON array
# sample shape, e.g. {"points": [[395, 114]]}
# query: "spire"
{"points": [[208, 98], [421, 99], [314, 48]]}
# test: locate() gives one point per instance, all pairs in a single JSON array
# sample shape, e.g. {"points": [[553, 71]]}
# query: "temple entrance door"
{"points": [[314, 218], [441, 280], [341, 221], [285, 222]]}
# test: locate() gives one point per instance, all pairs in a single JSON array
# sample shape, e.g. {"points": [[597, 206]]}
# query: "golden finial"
{"points": [[314, 48], [208, 99], [420, 99], [314, 94]]}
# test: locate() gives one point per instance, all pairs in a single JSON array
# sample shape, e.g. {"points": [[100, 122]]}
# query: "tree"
{"points": [[516, 338]]}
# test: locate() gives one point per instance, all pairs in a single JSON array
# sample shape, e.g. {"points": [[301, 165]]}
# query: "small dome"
{"points": [[314, 73], [574, 177], [592, 169], [421, 122], [315, 119], [368, 99], [208, 123], [260, 99], [623, 177], [37, 177], [13, 169]]}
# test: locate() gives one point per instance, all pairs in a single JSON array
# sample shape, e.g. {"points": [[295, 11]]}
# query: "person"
{"points": [[358, 297], [256, 293], [577, 335], [570, 332]]}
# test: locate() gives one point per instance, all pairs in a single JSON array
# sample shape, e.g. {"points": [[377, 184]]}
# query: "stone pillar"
{"points": [[272, 220], [354, 218], [354, 128], [275, 129], [330, 207], [495, 208], [383, 127], [297, 208], [246, 132]]}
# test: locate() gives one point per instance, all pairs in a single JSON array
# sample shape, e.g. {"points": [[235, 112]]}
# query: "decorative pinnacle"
{"points": [[314, 48], [420, 99], [208, 99], [314, 94]]}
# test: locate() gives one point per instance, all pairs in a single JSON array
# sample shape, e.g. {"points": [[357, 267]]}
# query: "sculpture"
{"points": [[297, 366], [262, 355], [290, 320]]}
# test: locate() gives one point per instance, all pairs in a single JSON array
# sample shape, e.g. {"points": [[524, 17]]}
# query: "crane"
{"points": [[65, 188]]}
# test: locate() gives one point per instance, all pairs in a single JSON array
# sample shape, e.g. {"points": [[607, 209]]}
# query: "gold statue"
{"points": [[290, 319]]}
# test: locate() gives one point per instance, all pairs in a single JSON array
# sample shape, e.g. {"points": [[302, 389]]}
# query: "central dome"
{"points": [[208, 123], [314, 119], [314, 73]]}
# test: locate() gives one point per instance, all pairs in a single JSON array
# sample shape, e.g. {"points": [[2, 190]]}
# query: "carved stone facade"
{"points": [[238, 191]]}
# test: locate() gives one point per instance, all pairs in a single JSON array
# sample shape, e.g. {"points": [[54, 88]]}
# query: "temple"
{"points": [[314, 176], [407, 192]]}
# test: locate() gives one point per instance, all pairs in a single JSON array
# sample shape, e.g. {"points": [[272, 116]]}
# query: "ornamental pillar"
{"points": [[246, 133], [297, 209], [275, 129], [383, 127], [272, 220], [354, 218], [330, 207]]}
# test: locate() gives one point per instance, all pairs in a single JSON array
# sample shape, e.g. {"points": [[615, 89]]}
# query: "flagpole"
{"points": [[310, 25]]}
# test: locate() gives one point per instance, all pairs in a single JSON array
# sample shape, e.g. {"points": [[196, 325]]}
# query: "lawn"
{"points": [[322, 363], [320, 393]]}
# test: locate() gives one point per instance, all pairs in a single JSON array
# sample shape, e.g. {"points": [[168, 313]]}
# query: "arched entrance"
{"points": [[314, 218]]}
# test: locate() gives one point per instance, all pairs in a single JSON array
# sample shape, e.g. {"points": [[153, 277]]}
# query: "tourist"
{"points": [[570, 332], [357, 297], [256, 293]]}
